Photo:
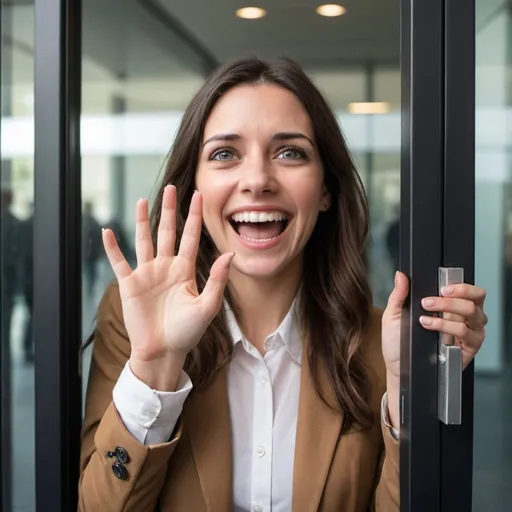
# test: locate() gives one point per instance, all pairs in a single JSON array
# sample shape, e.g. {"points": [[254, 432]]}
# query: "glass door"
{"points": [[403, 93]]}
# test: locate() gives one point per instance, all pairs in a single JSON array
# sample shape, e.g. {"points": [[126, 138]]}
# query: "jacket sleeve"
{"points": [[103, 431], [387, 491]]}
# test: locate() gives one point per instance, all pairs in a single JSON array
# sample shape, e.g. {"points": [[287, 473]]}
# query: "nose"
{"points": [[257, 177]]}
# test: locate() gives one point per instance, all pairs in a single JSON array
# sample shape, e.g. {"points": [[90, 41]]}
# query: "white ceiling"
{"points": [[369, 32], [155, 59]]}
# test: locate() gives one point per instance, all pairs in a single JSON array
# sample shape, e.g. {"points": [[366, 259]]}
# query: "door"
{"points": [[403, 91]]}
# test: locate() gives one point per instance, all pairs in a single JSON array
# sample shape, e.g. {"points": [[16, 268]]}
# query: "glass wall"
{"points": [[135, 92], [493, 254], [16, 227]]}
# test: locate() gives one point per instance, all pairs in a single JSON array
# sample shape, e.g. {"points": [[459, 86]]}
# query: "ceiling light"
{"points": [[330, 10], [369, 107], [251, 13]]}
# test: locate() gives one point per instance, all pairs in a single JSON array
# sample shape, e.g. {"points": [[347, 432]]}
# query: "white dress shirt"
{"points": [[263, 393]]}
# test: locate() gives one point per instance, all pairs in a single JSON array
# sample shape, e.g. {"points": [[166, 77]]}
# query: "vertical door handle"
{"points": [[449, 362]]}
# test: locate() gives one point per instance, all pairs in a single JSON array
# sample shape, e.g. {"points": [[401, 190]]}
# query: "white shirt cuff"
{"points": [[149, 415], [385, 416]]}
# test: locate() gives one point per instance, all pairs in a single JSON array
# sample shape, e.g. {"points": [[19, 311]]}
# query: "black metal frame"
{"points": [[57, 248], [437, 229], [420, 247], [456, 451]]}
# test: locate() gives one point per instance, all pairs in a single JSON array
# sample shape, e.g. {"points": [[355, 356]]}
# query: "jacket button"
{"points": [[119, 470], [122, 455]]}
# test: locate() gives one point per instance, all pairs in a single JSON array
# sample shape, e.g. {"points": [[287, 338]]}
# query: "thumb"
{"points": [[211, 297], [398, 295]]}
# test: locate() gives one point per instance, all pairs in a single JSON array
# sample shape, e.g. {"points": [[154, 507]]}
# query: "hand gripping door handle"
{"points": [[449, 362]]}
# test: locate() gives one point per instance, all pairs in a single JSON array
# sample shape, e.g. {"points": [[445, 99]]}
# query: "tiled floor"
{"points": [[493, 433]]}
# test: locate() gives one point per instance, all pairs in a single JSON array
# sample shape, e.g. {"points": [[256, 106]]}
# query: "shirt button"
{"points": [[256, 508], [263, 380], [260, 452]]}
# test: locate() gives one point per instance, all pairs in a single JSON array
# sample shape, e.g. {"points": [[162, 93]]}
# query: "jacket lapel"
{"points": [[207, 422], [318, 431]]}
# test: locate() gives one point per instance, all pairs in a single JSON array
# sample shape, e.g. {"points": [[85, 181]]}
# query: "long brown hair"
{"points": [[336, 297]]}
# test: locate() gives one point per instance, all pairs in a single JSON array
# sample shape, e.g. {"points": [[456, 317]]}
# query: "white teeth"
{"points": [[258, 239], [251, 216]]}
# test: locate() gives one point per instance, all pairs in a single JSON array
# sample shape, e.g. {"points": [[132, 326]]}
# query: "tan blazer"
{"points": [[354, 472]]}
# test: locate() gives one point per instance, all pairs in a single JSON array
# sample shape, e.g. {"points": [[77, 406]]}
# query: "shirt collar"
{"points": [[288, 331]]}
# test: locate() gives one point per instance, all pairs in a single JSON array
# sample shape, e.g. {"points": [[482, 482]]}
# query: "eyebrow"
{"points": [[277, 136]]}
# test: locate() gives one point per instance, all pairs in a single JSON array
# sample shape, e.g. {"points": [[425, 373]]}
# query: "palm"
{"points": [[162, 309]]}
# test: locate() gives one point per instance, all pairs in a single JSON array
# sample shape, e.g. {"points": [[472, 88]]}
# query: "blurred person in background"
{"points": [[91, 247], [10, 251], [27, 282]]}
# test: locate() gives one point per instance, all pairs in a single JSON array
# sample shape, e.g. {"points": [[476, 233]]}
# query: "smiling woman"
{"points": [[247, 326]]}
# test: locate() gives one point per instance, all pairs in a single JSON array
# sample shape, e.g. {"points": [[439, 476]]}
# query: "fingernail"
{"points": [[426, 320], [447, 290], [397, 277], [102, 230], [428, 302]]}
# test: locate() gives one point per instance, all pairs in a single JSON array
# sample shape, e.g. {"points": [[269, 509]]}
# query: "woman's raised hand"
{"points": [[165, 316]]}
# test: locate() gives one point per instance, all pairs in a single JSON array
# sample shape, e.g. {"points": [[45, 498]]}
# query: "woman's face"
{"points": [[261, 178]]}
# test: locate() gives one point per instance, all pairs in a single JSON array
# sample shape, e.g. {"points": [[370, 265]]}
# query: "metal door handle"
{"points": [[449, 370]]}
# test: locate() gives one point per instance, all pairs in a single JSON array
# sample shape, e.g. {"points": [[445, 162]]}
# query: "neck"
{"points": [[262, 304]]}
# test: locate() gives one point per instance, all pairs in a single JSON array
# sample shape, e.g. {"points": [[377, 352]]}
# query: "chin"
{"points": [[258, 268]]}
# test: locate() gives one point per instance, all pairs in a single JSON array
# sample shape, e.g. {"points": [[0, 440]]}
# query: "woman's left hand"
{"points": [[463, 317]]}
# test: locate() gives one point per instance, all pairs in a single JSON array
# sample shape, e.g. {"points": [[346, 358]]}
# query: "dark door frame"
{"points": [[57, 252], [437, 229]]}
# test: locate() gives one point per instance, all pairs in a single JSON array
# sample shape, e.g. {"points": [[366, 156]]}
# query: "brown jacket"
{"points": [[354, 472]]}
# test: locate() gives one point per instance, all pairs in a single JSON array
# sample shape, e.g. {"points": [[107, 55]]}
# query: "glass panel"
{"points": [[141, 70], [493, 255], [16, 227], [151, 86]]}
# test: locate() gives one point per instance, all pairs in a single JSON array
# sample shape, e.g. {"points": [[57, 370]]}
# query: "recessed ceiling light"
{"points": [[330, 10], [251, 13], [374, 107]]}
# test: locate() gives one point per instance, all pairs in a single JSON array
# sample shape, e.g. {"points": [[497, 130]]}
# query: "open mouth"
{"points": [[259, 226]]}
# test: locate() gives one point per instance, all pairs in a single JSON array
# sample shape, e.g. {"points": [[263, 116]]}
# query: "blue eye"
{"points": [[222, 155], [292, 153]]}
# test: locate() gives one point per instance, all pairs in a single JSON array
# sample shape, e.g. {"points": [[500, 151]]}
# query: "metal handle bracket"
{"points": [[449, 362]]}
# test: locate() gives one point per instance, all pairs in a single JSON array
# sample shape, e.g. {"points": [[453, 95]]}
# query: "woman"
{"points": [[269, 382]]}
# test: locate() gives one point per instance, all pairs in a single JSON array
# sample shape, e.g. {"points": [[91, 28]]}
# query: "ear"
{"points": [[325, 202]]}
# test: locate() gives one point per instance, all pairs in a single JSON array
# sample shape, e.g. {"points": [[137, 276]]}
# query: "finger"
{"points": [[211, 298], [456, 309], [397, 297], [143, 243], [465, 291], [117, 261], [192, 231], [167, 226], [470, 337]]}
